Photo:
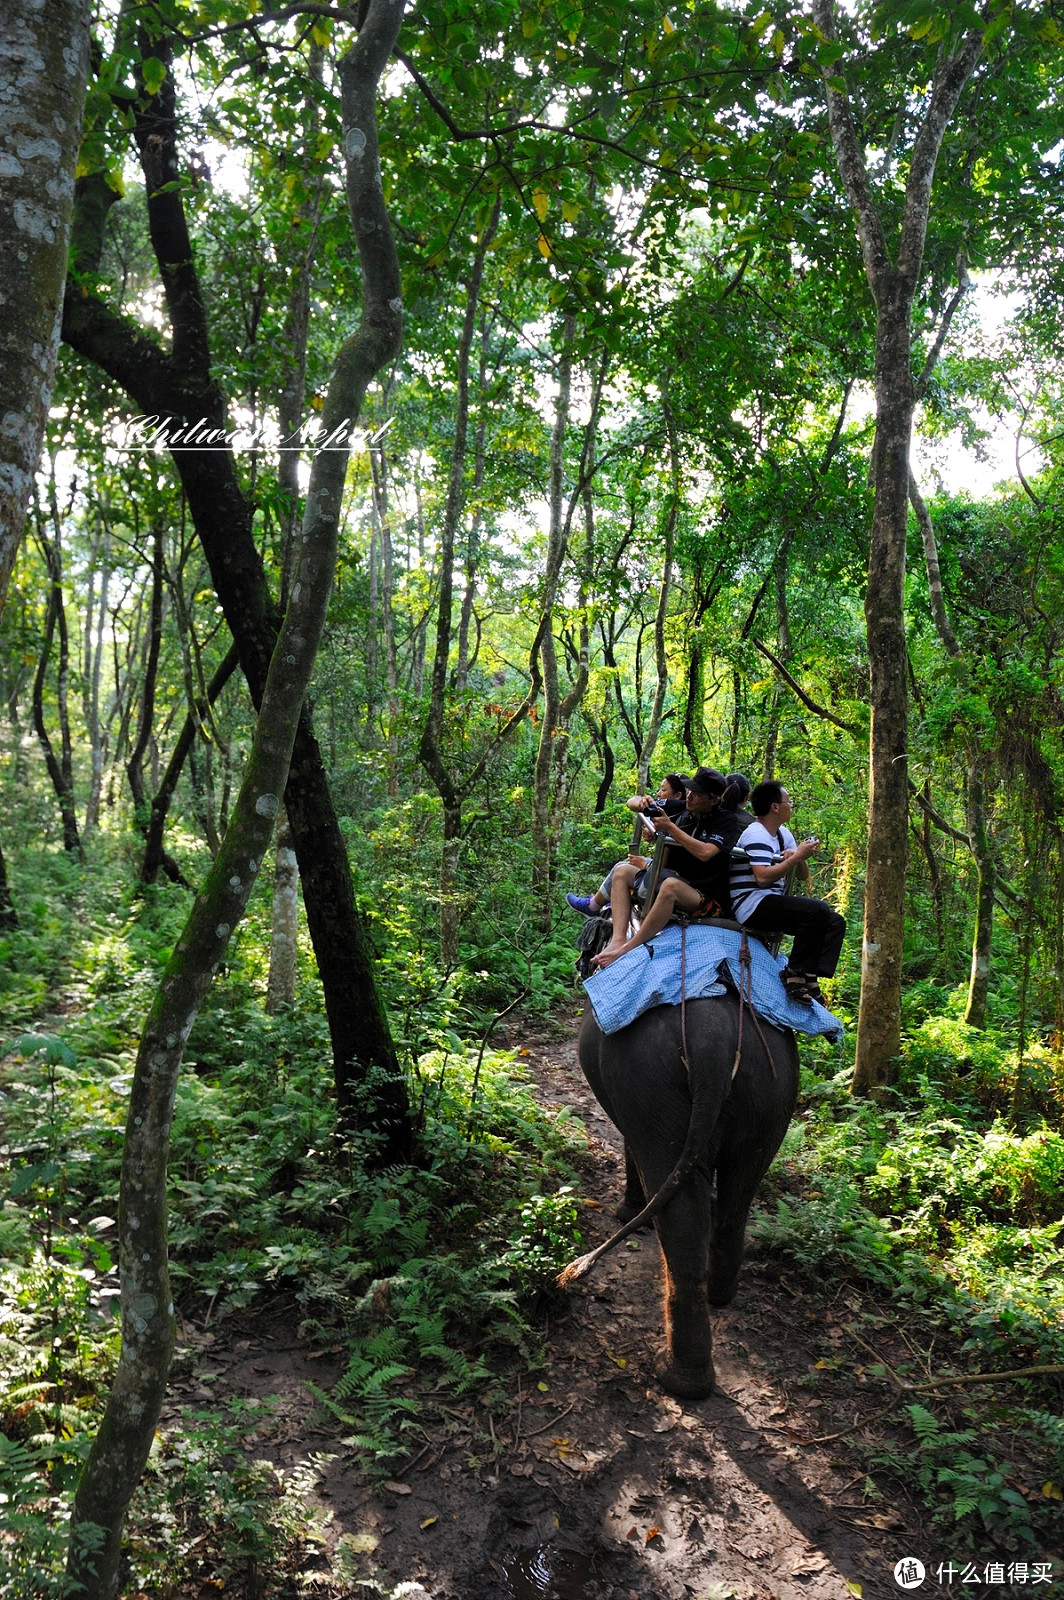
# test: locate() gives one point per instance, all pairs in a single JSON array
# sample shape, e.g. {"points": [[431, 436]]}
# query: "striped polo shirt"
{"points": [[760, 846]]}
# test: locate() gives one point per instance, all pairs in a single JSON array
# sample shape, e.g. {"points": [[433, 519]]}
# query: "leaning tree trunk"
{"points": [[155, 855], [121, 1447], [180, 385]]}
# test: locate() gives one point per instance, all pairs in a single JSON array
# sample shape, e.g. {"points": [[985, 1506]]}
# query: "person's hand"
{"points": [[807, 848]]}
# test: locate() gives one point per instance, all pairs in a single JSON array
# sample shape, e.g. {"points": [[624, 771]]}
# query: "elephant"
{"points": [[681, 1133]]}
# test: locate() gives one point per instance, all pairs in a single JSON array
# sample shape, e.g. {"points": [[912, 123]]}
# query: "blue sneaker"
{"points": [[581, 902]]}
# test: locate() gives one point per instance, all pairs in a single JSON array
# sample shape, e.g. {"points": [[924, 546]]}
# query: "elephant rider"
{"points": [[672, 797], [695, 876], [739, 781], [760, 903]]}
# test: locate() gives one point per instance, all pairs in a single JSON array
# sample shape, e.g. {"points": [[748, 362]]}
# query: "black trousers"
{"points": [[818, 930]]}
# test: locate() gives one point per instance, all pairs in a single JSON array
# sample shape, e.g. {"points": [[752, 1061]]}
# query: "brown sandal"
{"points": [[812, 984], [795, 986]]}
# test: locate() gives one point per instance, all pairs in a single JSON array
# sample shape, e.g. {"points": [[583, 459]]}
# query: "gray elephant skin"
{"points": [[733, 1128]]}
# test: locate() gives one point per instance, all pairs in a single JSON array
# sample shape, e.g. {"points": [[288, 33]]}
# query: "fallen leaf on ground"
{"points": [[399, 1488], [808, 1563], [360, 1544]]}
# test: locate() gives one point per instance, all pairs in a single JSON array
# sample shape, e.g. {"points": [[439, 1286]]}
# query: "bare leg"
{"points": [[674, 895], [621, 908]]}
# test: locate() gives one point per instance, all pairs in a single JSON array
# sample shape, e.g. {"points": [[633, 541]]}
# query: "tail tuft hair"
{"points": [[577, 1269]]}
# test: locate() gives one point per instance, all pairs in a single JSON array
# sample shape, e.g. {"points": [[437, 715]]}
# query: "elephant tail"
{"points": [[705, 1111]]}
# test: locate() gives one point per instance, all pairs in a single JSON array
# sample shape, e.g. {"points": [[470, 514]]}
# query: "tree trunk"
{"points": [[542, 843], [44, 67], [180, 385], [982, 937], [8, 915], [879, 1024], [155, 855], [382, 518], [450, 898], [600, 735], [661, 665], [472, 559], [59, 768], [135, 763], [430, 751], [978, 832], [94, 635], [893, 284], [121, 1448], [784, 652], [284, 926]]}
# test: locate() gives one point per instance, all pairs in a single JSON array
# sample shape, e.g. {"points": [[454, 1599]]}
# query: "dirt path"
{"points": [[603, 1487]]}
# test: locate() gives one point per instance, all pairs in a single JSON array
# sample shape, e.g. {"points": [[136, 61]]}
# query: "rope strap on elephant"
{"points": [[691, 1152]]}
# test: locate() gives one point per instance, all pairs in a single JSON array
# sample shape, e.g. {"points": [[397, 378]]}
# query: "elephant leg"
{"points": [[635, 1197], [736, 1185], [686, 1368]]}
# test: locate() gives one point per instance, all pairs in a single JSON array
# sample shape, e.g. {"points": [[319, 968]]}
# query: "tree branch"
{"points": [[948, 86], [851, 728]]}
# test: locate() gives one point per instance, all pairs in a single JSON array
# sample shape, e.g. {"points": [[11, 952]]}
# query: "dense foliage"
{"points": [[615, 522]]}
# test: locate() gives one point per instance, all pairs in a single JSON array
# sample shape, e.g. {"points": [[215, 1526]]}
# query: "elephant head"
{"points": [[684, 1130]]}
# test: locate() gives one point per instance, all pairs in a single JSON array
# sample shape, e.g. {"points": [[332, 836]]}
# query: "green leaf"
{"points": [[54, 1050], [154, 74]]}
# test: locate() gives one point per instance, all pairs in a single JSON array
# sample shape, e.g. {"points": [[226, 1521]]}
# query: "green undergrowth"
{"points": [[427, 1277], [948, 1208]]}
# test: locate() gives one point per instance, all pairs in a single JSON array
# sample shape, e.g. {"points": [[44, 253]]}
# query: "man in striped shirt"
{"points": [[760, 903]]}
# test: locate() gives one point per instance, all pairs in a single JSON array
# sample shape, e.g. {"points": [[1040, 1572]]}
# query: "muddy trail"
{"points": [[597, 1485]]}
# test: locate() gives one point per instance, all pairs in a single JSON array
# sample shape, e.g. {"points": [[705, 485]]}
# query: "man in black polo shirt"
{"points": [[695, 876]]}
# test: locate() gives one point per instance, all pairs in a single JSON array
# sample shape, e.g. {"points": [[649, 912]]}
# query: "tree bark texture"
{"points": [[121, 1448], [893, 284], [886, 860], [284, 921], [180, 385], [44, 67]]}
